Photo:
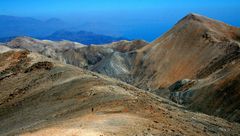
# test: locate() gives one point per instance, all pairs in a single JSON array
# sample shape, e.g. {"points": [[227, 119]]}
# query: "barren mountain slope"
{"points": [[39, 96], [48, 48], [4, 49], [185, 50], [203, 55]]}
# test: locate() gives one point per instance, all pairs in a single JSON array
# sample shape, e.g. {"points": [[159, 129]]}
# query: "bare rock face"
{"points": [[180, 92], [117, 65]]}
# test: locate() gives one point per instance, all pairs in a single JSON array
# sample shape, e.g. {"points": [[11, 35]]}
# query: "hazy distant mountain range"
{"points": [[17, 26], [83, 37], [51, 29]]}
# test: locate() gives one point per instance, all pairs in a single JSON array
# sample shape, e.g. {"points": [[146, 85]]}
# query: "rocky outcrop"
{"points": [[40, 65], [180, 91], [12, 63]]}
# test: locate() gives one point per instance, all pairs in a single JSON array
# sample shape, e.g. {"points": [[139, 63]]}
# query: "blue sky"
{"points": [[145, 19]]}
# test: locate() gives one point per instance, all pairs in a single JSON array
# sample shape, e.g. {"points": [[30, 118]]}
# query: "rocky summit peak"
{"points": [[194, 17]]}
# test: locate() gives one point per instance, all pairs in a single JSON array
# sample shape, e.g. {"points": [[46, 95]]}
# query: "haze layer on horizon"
{"points": [[135, 19]]}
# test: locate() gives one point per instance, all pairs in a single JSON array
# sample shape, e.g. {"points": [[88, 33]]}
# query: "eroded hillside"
{"points": [[115, 59]]}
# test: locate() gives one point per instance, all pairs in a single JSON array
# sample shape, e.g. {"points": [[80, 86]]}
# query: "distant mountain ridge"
{"points": [[11, 26], [51, 29], [83, 37]]}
